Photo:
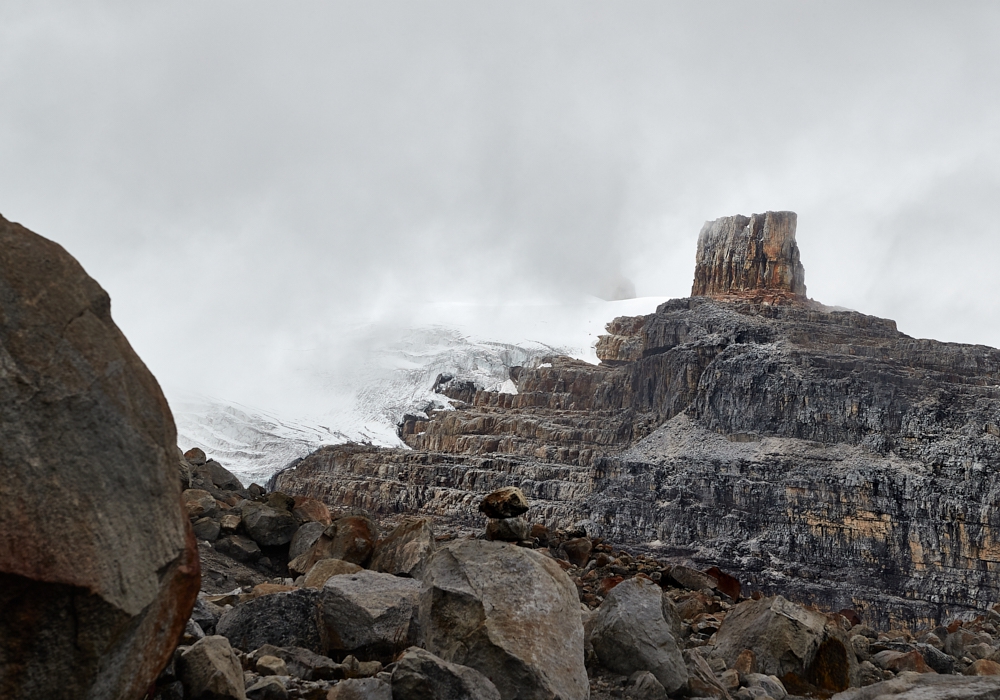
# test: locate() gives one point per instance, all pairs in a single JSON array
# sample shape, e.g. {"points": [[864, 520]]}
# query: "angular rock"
{"points": [[268, 665], [578, 550], [199, 503], [692, 579], [508, 530], [206, 614], [790, 642], [268, 688], [98, 566], [369, 614], [210, 670], [305, 537], [309, 510], [631, 634], [749, 255], [507, 502], [771, 684], [405, 550], [303, 663], [508, 612], [361, 689], [282, 619], [924, 686], [268, 526], [350, 539], [322, 570], [730, 585], [206, 529], [419, 675], [982, 667], [642, 685], [239, 548]]}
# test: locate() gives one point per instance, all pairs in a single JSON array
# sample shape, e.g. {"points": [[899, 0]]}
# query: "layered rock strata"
{"points": [[818, 453]]}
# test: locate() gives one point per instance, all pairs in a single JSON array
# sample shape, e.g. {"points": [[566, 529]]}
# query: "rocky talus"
{"points": [[811, 451]]}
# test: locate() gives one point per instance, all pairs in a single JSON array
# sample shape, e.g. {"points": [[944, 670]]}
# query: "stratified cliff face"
{"points": [[755, 257], [817, 453]]}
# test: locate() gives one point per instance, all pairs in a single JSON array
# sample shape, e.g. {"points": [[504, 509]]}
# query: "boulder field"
{"points": [[425, 613]]}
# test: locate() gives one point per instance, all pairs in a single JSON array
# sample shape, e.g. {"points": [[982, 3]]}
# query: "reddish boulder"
{"points": [[730, 585], [98, 563], [578, 550], [309, 510]]}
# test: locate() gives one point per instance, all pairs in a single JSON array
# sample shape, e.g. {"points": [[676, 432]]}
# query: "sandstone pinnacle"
{"points": [[753, 257]]}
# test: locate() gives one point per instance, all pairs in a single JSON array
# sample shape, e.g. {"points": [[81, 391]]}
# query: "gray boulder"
{"points": [[268, 688], [642, 685], [210, 670], [508, 612], [361, 689], [239, 548], [405, 550], [279, 619], [927, 686], [305, 537], [632, 634], [419, 675], [370, 614], [508, 529], [98, 566], [268, 526], [789, 639]]}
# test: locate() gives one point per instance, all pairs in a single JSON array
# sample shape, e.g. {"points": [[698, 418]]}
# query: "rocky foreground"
{"points": [[330, 604]]}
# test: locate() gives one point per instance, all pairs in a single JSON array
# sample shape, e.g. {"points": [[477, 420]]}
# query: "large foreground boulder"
{"points": [[804, 648], [369, 614], [98, 564], [924, 686], [508, 612], [631, 633]]}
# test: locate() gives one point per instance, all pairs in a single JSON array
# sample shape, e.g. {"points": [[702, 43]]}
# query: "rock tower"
{"points": [[753, 257]]}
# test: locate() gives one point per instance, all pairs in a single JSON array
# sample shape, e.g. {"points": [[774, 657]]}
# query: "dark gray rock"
{"points": [[206, 529], [239, 548], [206, 614], [268, 526], [280, 619], [419, 675]]}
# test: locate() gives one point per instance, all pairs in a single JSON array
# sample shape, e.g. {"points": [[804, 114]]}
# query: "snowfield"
{"points": [[356, 384]]}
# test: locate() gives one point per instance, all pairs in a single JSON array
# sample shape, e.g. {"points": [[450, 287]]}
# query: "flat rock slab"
{"points": [[922, 686]]}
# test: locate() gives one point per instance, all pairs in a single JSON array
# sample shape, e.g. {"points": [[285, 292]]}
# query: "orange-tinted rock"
{"points": [[196, 456], [310, 510], [983, 667], [609, 583], [908, 661], [578, 550], [730, 585], [752, 257], [98, 563]]}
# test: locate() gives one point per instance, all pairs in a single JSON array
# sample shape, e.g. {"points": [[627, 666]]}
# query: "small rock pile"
{"points": [[333, 607]]}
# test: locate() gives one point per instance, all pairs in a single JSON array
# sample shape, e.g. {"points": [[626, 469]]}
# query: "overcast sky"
{"points": [[236, 172]]}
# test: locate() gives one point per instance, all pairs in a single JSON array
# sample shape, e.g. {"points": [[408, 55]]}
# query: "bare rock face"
{"points": [[98, 563], [753, 257], [813, 452]]}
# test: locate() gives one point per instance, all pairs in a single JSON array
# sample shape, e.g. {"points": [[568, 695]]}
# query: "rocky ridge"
{"points": [[815, 452]]}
